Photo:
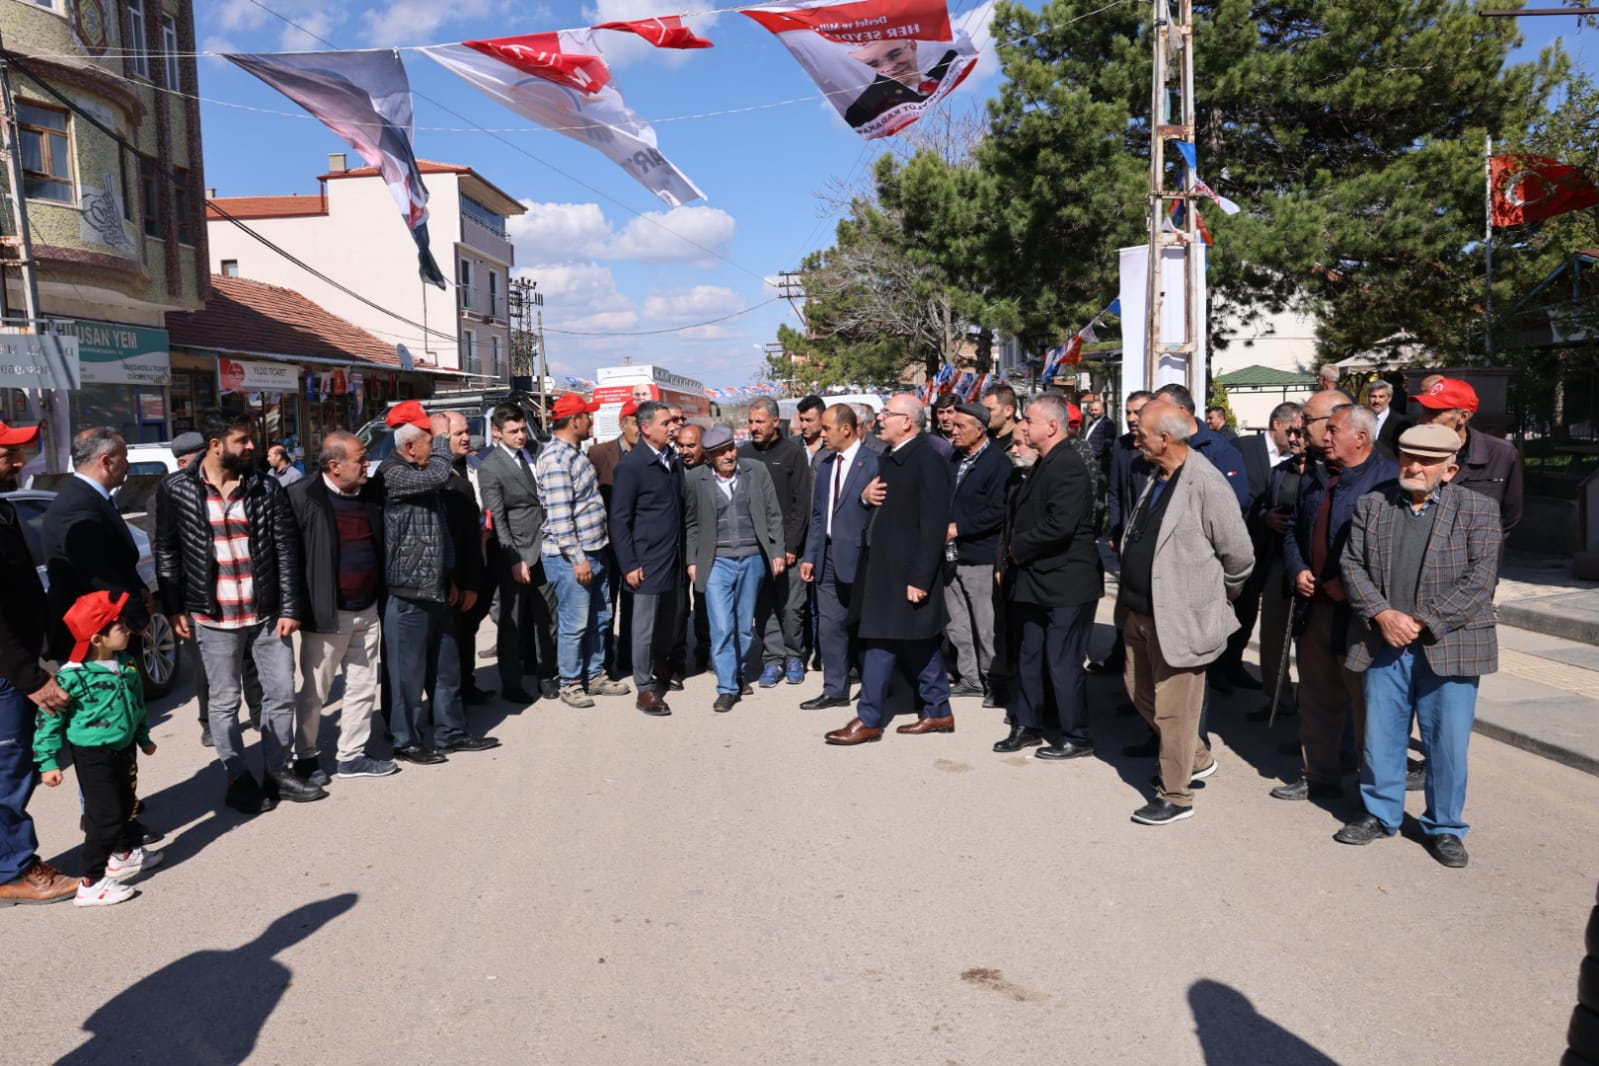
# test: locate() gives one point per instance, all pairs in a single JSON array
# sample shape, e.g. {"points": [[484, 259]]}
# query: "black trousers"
{"points": [[526, 639], [1051, 684], [106, 778]]}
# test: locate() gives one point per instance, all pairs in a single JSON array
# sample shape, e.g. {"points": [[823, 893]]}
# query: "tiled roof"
{"points": [[267, 206], [253, 317], [1263, 377], [428, 166]]}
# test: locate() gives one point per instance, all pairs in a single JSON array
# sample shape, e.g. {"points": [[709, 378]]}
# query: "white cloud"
{"points": [[622, 49], [231, 15], [573, 232], [581, 296], [404, 22], [312, 30], [692, 305]]}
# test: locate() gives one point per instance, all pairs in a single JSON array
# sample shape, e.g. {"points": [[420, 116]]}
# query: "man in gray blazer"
{"points": [[510, 494], [1185, 555], [733, 527], [1420, 566]]}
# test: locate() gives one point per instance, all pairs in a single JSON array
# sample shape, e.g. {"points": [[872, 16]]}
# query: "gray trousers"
{"points": [[654, 631], [969, 597], [833, 630], [223, 651], [780, 617]]}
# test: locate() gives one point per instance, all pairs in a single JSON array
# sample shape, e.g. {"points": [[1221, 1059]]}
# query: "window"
{"points": [[137, 47], [46, 154], [230, 268], [169, 53], [497, 369], [150, 195], [180, 188], [463, 282], [468, 351], [494, 295], [484, 216]]}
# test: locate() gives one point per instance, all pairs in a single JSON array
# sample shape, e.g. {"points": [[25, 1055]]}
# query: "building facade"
{"points": [[108, 132], [351, 231]]}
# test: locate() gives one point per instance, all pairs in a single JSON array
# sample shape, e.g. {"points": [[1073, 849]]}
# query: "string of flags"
{"points": [[1071, 353], [882, 63]]}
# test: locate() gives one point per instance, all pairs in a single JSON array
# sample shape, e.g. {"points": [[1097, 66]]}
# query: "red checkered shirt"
{"points": [[230, 543]]}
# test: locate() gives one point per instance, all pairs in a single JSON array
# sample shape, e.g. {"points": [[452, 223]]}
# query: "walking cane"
{"points": [[1282, 667]]}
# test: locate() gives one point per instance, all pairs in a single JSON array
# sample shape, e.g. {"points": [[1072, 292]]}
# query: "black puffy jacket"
{"points": [[185, 560], [419, 556]]}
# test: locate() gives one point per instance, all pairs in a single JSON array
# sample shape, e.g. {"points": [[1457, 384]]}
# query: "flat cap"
{"points": [[1430, 440]]}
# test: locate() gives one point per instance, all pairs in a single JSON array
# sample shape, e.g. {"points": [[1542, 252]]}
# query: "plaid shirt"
{"points": [[230, 543], [574, 513]]}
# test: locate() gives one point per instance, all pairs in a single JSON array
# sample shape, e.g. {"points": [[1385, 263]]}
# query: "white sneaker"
{"points": [[132, 863], [102, 893]]}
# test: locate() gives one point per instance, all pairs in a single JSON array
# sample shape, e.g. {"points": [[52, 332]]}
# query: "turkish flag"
{"points": [[665, 32], [1528, 188], [544, 55]]}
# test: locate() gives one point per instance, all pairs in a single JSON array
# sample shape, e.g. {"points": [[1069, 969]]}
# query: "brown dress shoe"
{"points": [[854, 733], [650, 702], [39, 883], [945, 724]]}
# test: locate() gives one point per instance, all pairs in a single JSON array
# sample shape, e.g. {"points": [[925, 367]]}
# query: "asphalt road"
{"points": [[613, 889]]}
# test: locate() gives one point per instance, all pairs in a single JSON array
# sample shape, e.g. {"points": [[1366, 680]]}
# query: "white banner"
{"points": [[560, 81], [1172, 369], [236, 375], [38, 361]]}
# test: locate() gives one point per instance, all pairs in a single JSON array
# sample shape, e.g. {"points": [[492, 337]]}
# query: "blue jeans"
{"points": [[1398, 683], [730, 594], [18, 843], [582, 617], [419, 639]]}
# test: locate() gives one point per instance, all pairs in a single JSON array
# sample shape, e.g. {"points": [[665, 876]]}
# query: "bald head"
{"points": [[903, 417], [1317, 410], [453, 425], [343, 460]]}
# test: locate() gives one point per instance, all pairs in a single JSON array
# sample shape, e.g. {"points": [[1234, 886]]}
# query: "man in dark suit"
{"points": [[899, 78], [510, 494], [87, 545], [902, 615], [1390, 423], [1051, 574], [1100, 433], [1216, 421], [464, 518], [833, 545], [1420, 568], [605, 457], [976, 513], [1128, 472], [647, 533]]}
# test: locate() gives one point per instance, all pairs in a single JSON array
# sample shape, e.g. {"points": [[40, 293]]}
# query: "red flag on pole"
{"points": [[665, 32], [1529, 188]]}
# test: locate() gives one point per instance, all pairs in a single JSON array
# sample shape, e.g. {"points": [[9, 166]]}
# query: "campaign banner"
{"points": [[882, 63], [237, 375]]}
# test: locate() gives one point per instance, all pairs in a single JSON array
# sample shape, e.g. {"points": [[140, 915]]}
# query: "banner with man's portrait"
{"points": [[882, 63]]}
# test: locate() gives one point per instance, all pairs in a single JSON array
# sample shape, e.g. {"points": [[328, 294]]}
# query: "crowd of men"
{"points": [[959, 549]]}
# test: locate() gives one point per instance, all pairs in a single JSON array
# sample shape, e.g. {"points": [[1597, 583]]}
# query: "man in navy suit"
{"points": [[833, 544], [86, 543], [647, 533]]}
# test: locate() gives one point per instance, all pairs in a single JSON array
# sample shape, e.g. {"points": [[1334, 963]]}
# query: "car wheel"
{"points": [[158, 658]]}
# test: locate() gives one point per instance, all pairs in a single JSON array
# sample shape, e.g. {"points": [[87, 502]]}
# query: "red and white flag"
{"points": [[1530, 188], [882, 63], [667, 31], [561, 81]]}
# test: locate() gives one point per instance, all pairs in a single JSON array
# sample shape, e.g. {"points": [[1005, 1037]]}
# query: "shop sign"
{"points": [[113, 354], [238, 375], [38, 361]]}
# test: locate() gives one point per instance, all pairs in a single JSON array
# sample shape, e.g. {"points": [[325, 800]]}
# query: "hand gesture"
{"points": [[778, 565], [1305, 584], [875, 493], [1398, 629], [50, 697]]}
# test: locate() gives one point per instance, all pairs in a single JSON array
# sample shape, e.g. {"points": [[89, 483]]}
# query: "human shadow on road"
{"points": [[1232, 1033], [207, 1007]]}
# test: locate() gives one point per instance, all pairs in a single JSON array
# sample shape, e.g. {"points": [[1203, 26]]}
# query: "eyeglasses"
{"points": [[1294, 431], [1312, 421], [885, 414]]}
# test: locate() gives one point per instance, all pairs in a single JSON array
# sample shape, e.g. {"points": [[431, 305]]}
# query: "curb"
{"points": [[1553, 752], [1543, 615]]}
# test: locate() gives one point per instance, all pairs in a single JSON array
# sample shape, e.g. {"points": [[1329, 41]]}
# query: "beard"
{"points": [[237, 462], [1022, 462], [8, 484]]}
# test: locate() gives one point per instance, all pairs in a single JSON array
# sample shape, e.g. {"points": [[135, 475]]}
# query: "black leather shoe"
{"points": [[1064, 750], [745, 689], [822, 703], [416, 753], [963, 689], [1019, 738], [1448, 849], [675, 684], [296, 789], [549, 689], [245, 796], [1161, 812], [471, 744], [515, 695], [1415, 775], [1362, 830], [1147, 750], [724, 703], [1307, 790]]}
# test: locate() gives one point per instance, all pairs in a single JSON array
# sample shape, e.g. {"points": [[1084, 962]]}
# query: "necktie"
{"points": [[1319, 537], [521, 457], [838, 485]]}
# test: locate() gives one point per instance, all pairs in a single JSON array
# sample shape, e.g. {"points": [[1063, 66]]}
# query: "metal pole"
{"points": [[1193, 251], [1157, 202], [543, 368], [1282, 665], [1488, 242]]}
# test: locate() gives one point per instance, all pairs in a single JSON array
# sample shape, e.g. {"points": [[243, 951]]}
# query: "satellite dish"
{"points": [[406, 363]]}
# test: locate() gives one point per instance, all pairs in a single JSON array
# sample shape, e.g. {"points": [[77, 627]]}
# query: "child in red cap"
{"points": [[105, 721]]}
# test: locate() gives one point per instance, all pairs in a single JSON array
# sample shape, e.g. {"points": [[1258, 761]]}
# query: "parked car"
{"points": [[158, 661]]}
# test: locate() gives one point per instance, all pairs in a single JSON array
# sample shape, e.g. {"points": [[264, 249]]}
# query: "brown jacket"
{"points": [[605, 456]]}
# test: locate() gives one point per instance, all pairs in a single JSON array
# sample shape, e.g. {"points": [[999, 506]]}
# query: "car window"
{"points": [[151, 467], [30, 512]]}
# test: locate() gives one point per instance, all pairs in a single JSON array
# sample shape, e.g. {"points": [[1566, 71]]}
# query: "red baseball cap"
{"points": [[409, 413], [11, 436], [1074, 415], [89, 614], [628, 408], [1449, 394], [572, 404]]}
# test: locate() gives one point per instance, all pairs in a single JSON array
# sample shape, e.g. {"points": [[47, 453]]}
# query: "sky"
{"points": [[623, 275]]}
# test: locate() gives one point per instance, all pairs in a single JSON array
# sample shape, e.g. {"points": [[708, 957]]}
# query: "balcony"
{"points": [[484, 231]]}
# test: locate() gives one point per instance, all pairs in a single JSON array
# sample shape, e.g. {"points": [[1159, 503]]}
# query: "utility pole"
{"points": [[1172, 95], [519, 306], [544, 364]]}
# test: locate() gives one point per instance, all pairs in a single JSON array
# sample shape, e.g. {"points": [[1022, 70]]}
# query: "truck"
{"points": [[615, 385]]}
